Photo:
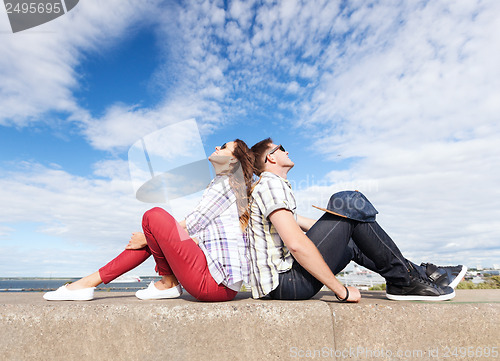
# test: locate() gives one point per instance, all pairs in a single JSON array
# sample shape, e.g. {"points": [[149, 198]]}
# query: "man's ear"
{"points": [[270, 160]]}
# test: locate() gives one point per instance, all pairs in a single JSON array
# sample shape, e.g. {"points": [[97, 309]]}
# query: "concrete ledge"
{"points": [[117, 326]]}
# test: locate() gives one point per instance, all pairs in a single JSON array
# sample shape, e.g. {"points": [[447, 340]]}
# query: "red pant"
{"points": [[175, 253]]}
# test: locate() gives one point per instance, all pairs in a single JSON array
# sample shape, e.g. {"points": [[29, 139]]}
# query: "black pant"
{"points": [[340, 241]]}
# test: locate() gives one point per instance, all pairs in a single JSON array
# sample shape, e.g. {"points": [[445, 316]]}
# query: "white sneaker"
{"points": [[63, 294], [153, 293]]}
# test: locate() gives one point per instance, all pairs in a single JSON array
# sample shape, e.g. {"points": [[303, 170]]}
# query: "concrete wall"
{"points": [[117, 326]]}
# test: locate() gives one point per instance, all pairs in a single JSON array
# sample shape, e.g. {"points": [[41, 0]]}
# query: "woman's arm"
{"points": [[305, 223]]}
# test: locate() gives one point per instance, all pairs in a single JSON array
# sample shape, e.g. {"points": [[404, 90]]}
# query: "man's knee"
{"points": [[352, 205]]}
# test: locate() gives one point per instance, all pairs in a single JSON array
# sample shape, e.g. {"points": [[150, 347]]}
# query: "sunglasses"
{"points": [[223, 146], [280, 147]]}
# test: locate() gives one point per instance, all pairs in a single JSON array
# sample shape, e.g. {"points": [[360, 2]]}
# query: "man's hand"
{"points": [[137, 241], [354, 295]]}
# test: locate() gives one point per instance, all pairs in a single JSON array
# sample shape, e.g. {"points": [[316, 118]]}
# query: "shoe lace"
{"points": [[417, 276]]}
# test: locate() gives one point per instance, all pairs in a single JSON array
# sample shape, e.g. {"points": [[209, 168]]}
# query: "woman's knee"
{"points": [[157, 213]]}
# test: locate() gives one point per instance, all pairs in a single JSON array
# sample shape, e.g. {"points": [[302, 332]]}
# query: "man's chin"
{"points": [[290, 165]]}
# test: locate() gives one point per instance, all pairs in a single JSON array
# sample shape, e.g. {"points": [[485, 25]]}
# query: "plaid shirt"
{"points": [[268, 255], [215, 222]]}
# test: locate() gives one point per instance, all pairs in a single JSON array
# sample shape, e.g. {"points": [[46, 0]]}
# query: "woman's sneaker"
{"points": [[444, 275], [419, 289], [153, 293], [63, 294]]}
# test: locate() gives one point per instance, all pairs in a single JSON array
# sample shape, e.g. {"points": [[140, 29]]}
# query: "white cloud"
{"points": [[5, 231], [408, 90], [241, 11], [111, 168], [408, 95], [439, 203], [293, 87], [49, 55], [81, 209], [418, 82], [122, 125], [49, 260], [84, 221]]}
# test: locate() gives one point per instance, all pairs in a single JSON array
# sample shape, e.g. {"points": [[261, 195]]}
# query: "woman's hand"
{"points": [[137, 241], [183, 224]]}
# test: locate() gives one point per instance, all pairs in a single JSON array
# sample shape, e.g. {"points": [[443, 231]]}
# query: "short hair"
{"points": [[260, 153]]}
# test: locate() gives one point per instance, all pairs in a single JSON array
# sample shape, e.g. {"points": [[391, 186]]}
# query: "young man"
{"points": [[288, 264]]}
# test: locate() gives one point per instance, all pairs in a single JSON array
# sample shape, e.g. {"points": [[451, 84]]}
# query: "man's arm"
{"points": [[305, 252], [305, 223]]}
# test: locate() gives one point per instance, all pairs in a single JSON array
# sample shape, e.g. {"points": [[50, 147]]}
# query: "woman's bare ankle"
{"points": [[166, 282], [77, 285], [91, 280]]}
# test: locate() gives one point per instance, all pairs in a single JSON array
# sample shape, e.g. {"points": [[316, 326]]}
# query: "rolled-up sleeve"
{"points": [[272, 195]]}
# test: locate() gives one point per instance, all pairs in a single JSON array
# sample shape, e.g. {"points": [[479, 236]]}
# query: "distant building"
{"points": [[493, 272]]}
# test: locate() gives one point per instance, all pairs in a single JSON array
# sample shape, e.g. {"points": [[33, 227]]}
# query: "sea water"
{"points": [[50, 284]]}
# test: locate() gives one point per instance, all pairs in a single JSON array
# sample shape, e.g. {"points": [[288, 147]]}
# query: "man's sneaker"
{"points": [[419, 289], [445, 275]]}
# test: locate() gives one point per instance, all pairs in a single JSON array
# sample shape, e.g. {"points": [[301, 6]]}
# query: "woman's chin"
{"points": [[219, 159]]}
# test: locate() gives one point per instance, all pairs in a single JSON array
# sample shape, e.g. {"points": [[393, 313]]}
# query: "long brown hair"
{"points": [[242, 187]]}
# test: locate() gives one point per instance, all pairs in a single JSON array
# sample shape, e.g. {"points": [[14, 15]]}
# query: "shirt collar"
{"points": [[272, 175]]}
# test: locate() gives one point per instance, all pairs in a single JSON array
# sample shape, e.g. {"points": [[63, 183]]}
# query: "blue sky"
{"points": [[397, 99]]}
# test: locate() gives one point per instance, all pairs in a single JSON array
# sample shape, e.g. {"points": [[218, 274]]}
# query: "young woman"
{"points": [[205, 253]]}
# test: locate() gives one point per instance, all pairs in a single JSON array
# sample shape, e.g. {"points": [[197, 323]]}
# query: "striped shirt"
{"points": [[268, 255], [215, 222]]}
